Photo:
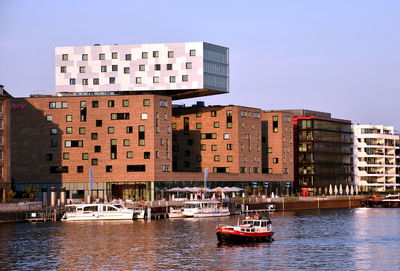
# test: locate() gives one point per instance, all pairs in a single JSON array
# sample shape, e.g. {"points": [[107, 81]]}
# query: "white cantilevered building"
{"points": [[375, 156], [180, 70]]}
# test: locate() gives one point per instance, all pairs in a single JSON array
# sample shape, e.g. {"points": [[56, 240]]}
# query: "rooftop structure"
{"points": [[179, 70]]}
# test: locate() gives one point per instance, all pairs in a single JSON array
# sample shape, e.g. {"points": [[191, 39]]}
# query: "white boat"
{"points": [[204, 208], [99, 211]]}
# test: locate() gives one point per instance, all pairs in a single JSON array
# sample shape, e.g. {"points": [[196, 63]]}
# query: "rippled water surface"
{"points": [[347, 239]]}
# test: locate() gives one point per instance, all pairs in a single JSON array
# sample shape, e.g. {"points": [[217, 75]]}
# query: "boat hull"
{"points": [[240, 237]]}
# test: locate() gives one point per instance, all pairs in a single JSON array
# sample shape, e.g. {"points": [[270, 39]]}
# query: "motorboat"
{"points": [[98, 211], [204, 208], [175, 212], [251, 230], [270, 208]]}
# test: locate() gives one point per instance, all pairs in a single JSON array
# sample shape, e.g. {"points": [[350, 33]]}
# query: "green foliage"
{"points": [[10, 195], [31, 191]]}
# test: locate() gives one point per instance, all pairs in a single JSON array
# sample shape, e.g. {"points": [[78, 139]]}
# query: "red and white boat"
{"points": [[255, 229]]}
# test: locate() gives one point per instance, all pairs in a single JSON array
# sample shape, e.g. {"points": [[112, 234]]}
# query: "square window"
{"points": [[95, 136], [216, 124], [66, 156], [157, 67], [128, 57], [229, 158], [85, 156], [146, 102], [146, 155], [203, 147], [112, 80], [82, 130], [64, 57], [82, 69], [95, 81], [79, 169], [111, 103], [53, 131], [142, 68], [156, 54], [227, 136], [185, 78], [69, 130], [63, 69], [144, 55], [198, 125], [114, 68], [103, 68], [127, 70], [229, 147], [275, 160], [97, 148], [125, 103], [95, 162], [169, 67], [156, 79], [127, 142], [102, 56], [188, 65], [170, 54], [129, 129], [129, 154], [49, 117], [172, 79], [114, 55], [214, 147], [53, 143], [198, 114], [95, 104], [68, 118], [85, 82], [216, 158], [138, 80], [85, 57], [192, 52], [72, 81], [143, 116], [109, 168], [110, 130], [49, 157]]}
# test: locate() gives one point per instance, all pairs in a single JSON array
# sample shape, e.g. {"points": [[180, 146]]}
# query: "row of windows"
{"points": [[127, 70], [110, 103], [97, 149], [203, 147], [80, 169], [114, 55], [247, 114], [138, 80], [94, 136]]}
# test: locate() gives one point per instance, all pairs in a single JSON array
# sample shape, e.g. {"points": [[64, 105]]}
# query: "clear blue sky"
{"points": [[341, 57]]}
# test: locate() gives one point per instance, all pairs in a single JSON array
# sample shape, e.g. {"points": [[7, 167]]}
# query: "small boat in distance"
{"points": [[250, 230], [204, 208], [98, 211]]}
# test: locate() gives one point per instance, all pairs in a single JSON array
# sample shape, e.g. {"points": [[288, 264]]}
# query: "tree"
{"points": [[10, 195], [31, 191]]}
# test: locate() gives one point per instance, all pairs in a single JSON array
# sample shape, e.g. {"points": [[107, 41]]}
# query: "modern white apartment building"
{"points": [[179, 70], [375, 156]]}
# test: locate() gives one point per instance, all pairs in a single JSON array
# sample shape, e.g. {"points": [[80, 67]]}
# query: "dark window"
{"points": [[95, 162], [95, 136], [114, 68], [112, 80], [49, 157], [275, 124], [111, 103], [128, 56], [190, 142], [209, 136], [99, 123], [113, 148], [95, 104], [119, 116], [83, 111], [56, 169], [79, 169], [136, 168], [169, 67], [109, 168], [97, 148], [129, 129], [146, 155], [53, 143], [141, 135], [157, 67], [73, 143]]}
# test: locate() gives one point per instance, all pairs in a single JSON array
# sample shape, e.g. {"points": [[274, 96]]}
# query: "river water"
{"points": [[340, 239]]}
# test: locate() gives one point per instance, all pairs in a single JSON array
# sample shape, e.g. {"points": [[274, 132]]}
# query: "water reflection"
{"points": [[348, 239]]}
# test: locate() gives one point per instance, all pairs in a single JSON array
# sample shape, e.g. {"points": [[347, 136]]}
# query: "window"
{"points": [[172, 79], [85, 57], [185, 78], [85, 82], [128, 57], [269, 170], [125, 103], [112, 80], [156, 54], [63, 69], [165, 168], [269, 149], [119, 116], [82, 130], [214, 147], [49, 157], [163, 103], [198, 114], [142, 68], [138, 80], [285, 171], [69, 130], [53, 131], [275, 124], [97, 148], [136, 168], [146, 155], [111, 103], [79, 169], [198, 158], [141, 135], [216, 124], [82, 69], [156, 79], [110, 130], [72, 81], [146, 102], [189, 142], [143, 116], [129, 154], [174, 126], [129, 129], [109, 168], [103, 68], [102, 56], [85, 156], [49, 117], [198, 125], [95, 136], [242, 170], [56, 169], [95, 81], [127, 142], [114, 55], [169, 67], [64, 57], [66, 155], [256, 115], [157, 67], [192, 52], [170, 54], [255, 169], [213, 113], [188, 65], [127, 70], [229, 158], [229, 147], [203, 147], [144, 55], [227, 136], [95, 162], [209, 136], [73, 143], [275, 160], [52, 105], [216, 158]]}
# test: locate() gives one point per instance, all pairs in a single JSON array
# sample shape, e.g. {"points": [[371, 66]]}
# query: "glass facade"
{"points": [[324, 152]]}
